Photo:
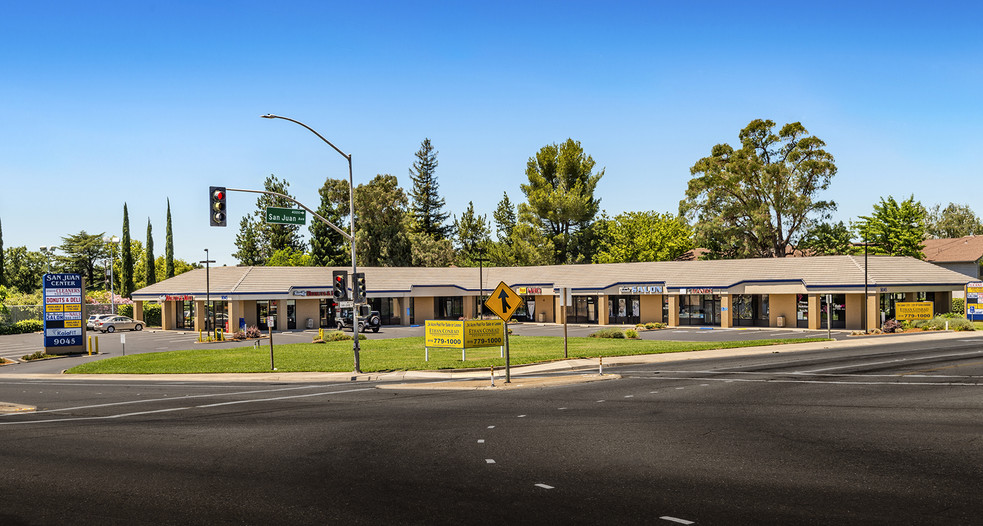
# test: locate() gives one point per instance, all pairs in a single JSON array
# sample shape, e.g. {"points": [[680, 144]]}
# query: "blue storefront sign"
{"points": [[63, 300]]}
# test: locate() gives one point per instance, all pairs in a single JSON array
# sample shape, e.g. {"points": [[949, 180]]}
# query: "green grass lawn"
{"points": [[397, 354]]}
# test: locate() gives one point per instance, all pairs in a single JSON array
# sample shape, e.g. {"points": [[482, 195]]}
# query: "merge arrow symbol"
{"points": [[504, 296]]}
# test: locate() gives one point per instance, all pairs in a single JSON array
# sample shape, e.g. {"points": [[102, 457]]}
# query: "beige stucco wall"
{"points": [[651, 307], [423, 309], [673, 310], [167, 315], [544, 304], [308, 308], [602, 310], [815, 314], [854, 311], [781, 305]]}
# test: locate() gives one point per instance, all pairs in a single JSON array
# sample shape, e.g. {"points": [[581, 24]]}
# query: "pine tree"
{"points": [[328, 247], [151, 262], [504, 219], [472, 235], [248, 243], [427, 206], [169, 246], [126, 253]]}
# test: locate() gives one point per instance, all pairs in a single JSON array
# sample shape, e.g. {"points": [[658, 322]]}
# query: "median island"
{"points": [[396, 354]]}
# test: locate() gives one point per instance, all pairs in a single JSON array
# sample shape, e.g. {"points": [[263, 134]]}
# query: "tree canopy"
{"points": [[328, 247], [169, 246], [757, 200], [642, 236], [381, 239], [952, 221], [81, 253], [894, 228], [827, 239], [471, 233], [126, 258], [560, 199], [149, 261]]}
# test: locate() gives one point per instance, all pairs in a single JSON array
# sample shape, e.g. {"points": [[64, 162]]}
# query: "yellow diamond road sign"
{"points": [[504, 301]]}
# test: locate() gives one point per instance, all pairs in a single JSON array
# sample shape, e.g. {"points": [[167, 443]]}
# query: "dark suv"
{"points": [[367, 319]]}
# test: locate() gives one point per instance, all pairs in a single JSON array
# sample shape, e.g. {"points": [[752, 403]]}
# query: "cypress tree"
{"points": [[151, 264], [126, 256], [1, 254], [169, 246]]}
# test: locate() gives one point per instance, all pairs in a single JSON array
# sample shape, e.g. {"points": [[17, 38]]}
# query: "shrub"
{"points": [[608, 333], [890, 326], [253, 332], [938, 324], [655, 325], [23, 327], [238, 335], [36, 356], [631, 334], [337, 336], [125, 310], [151, 314], [958, 306]]}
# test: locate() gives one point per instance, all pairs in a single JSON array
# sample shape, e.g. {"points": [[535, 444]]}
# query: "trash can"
{"points": [[542, 317], [242, 324], [310, 323], [781, 321]]}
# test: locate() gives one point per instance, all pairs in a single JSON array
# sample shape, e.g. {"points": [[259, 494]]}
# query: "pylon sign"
{"points": [[503, 301]]}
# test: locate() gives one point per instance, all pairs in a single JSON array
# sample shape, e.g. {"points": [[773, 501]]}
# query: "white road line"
{"points": [[675, 519], [481, 441], [561, 408], [521, 416], [629, 396], [489, 461], [544, 486], [831, 382], [930, 357], [122, 415], [599, 401], [94, 406], [491, 427]]}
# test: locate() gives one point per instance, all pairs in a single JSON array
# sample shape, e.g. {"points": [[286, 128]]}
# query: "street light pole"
{"points": [[351, 211]]}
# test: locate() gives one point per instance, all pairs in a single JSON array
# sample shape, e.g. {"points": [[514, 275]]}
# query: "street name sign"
{"points": [[503, 301], [286, 216]]}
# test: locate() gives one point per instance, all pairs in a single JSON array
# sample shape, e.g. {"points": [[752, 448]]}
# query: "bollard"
{"points": [[600, 365], [493, 376], [90, 345], [97, 345]]}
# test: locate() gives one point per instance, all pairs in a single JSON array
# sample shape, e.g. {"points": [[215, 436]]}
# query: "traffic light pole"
{"points": [[349, 236]]}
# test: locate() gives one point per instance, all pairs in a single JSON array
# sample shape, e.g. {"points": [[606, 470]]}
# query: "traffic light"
{"points": [[339, 280], [358, 287], [216, 208]]}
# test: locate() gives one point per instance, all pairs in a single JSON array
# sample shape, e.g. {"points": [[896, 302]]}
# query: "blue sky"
{"points": [[138, 102]]}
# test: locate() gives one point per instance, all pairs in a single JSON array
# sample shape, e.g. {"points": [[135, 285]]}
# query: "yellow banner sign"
{"points": [[54, 308], [441, 333], [464, 334], [73, 308], [974, 289], [73, 323], [921, 310], [484, 333]]}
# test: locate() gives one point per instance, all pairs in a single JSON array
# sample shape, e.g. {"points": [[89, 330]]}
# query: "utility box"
{"points": [[781, 321]]}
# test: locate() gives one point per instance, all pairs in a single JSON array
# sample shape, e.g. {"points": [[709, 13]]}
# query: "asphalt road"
{"points": [[879, 435]]}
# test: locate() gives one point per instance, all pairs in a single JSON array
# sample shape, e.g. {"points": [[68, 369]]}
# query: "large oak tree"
{"points": [[759, 199]]}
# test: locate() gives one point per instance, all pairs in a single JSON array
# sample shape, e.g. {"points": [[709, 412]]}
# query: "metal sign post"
{"points": [[504, 302]]}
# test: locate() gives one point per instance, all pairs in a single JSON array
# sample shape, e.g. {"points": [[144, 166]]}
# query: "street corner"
{"points": [[485, 384], [7, 407]]}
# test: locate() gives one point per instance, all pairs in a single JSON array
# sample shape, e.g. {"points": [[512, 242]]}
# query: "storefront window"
{"points": [[264, 310], [220, 314], [185, 315], [385, 308], [887, 305], [291, 314], [624, 310], [838, 310], [449, 308], [802, 311], [751, 310], [699, 309], [326, 314], [584, 310], [526, 310]]}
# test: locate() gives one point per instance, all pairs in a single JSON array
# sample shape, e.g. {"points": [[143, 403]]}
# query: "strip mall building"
{"points": [[782, 292]]}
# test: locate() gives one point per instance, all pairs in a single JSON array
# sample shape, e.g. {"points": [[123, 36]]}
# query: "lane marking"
{"points": [[491, 427], [938, 368], [481, 441], [186, 397], [561, 409], [913, 359], [521, 416], [599, 401], [122, 415], [675, 519], [629, 396], [544, 486], [489, 461], [831, 382]]}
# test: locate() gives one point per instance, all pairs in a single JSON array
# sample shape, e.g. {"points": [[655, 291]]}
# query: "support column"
{"points": [[602, 310], [873, 311], [726, 311], [138, 310], [815, 314], [673, 311], [199, 315]]}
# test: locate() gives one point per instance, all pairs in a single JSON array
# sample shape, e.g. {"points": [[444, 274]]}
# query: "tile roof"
{"points": [[813, 273], [960, 249]]}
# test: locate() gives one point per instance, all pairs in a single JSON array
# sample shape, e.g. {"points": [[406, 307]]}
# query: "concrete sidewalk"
{"points": [[483, 375]]}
